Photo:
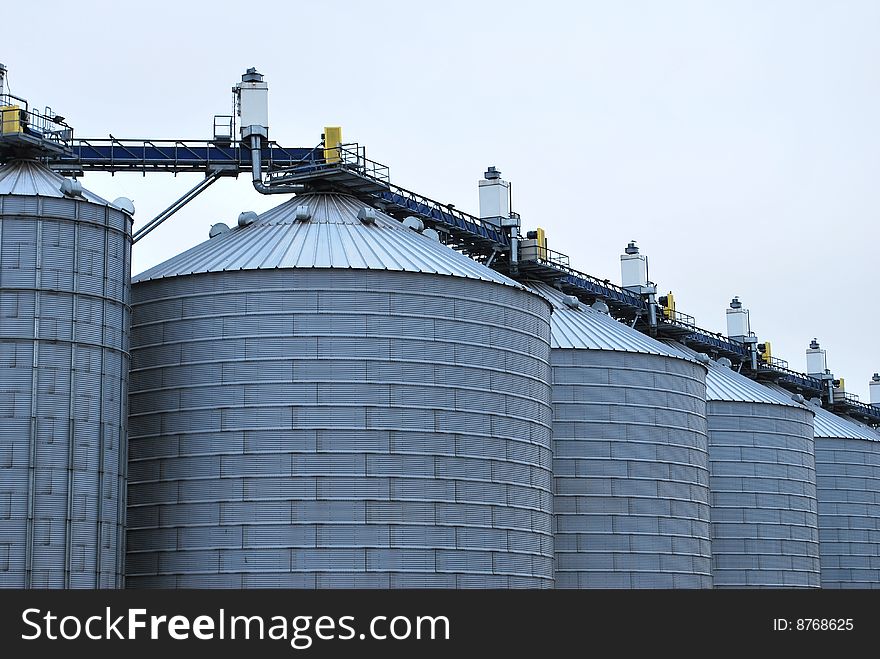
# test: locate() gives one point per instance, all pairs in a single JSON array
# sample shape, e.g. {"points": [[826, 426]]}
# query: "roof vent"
{"points": [[246, 218], [814, 344], [876, 377], [798, 398], [492, 173], [703, 358], [413, 223], [600, 306], [572, 302], [71, 188], [816, 401], [303, 213], [367, 215], [252, 75], [217, 229], [631, 248], [735, 303], [432, 234], [124, 204]]}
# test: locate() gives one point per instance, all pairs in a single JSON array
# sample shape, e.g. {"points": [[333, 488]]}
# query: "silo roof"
{"points": [[31, 179], [725, 384], [828, 424], [332, 237], [586, 328]]}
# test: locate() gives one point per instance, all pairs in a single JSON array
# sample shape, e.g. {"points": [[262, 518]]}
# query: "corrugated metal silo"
{"points": [[848, 491], [631, 468], [64, 293], [763, 485], [327, 398]]}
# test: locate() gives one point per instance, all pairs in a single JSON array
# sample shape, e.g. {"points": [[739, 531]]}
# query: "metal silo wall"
{"points": [[339, 428], [64, 293], [763, 485], [630, 471], [848, 489]]}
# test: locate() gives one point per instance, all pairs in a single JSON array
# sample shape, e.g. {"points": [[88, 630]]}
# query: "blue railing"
{"points": [[116, 155]]}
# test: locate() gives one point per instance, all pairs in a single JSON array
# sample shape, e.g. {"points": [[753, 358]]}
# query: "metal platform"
{"points": [[850, 405], [26, 133], [793, 381]]}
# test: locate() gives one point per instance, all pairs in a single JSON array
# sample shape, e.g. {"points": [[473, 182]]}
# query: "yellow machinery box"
{"points": [[11, 122]]}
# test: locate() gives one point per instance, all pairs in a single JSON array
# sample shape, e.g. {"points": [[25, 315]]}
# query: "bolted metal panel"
{"points": [[848, 491], [763, 484], [631, 471], [339, 428], [630, 461], [64, 295]]}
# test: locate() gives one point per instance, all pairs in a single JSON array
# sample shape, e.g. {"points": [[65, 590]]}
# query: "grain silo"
{"points": [[325, 397], [64, 289], [630, 456], [848, 492], [763, 485]]}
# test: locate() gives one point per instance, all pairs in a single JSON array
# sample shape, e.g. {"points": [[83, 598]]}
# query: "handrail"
{"points": [[48, 127], [815, 383]]}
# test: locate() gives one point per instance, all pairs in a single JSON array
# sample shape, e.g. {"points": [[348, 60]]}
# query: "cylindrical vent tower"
{"points": [[765, 530], [848, 490], [631, 468], [324, 397], [64, 294]]}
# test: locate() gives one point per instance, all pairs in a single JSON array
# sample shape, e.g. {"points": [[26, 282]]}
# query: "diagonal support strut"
{"points": [[202, 185]]}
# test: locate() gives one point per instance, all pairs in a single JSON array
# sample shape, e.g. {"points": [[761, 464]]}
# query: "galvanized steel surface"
{"points": [[848, 492], [339, 428], [848, 483], [763, 486], [586, 328], [723, 383], [828, 424], [630, 461], [630, 471], [64, 288], [333, 237], [28, 178]]}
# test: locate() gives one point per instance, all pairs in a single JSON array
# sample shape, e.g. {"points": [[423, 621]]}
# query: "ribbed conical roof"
{"points": [[725, 384], [332, 237], [585, 328], [29, 178], [829, 425]]}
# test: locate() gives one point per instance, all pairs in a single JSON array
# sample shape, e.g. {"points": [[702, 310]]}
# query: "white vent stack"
{"points": [[874, 387], [738, 321], [494, 196], [816, 362], [253, 104], [634, 269]]}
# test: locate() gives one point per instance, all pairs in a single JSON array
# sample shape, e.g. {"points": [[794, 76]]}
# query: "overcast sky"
{"points": [[737, 141]]}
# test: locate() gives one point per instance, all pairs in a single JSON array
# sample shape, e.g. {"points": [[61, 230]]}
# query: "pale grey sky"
{"points": [[737, 141]]}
